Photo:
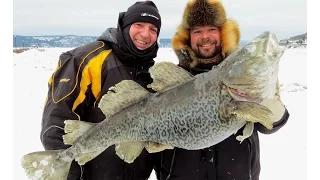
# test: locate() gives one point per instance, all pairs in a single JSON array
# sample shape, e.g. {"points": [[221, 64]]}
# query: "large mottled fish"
{"points": [[189, 112]]}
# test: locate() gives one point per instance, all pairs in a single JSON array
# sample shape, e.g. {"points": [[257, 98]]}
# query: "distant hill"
{"points": [[295, 41], [70, 41], [51, 41], [299, 37], [67, 41]]}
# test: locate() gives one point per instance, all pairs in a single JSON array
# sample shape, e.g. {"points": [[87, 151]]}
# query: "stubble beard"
{"points": [[208, 53]]}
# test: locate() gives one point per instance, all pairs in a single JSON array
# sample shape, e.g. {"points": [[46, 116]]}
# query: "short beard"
{"points": [[217, 51]]}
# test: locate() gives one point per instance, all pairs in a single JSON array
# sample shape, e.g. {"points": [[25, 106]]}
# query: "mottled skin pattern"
{"points": [[189, 116], [199, 113], [196, 114], [193, 115]]}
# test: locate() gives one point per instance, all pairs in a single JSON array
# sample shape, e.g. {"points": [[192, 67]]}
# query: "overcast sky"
{"points": [[91, 17]]}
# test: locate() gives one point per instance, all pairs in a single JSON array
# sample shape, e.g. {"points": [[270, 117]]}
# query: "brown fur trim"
{"points": [[193, 15], [180, 39], [203, 12], [230, 37]]}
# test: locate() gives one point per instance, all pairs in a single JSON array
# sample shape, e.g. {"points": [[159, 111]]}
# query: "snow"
{"points": [[283, 154]]}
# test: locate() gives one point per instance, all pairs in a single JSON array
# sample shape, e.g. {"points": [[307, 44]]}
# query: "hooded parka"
{"points": [[83, 75]]}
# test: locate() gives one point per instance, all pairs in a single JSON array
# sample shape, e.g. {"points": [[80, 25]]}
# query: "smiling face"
{"points": [[143, 35], [205, 41]]}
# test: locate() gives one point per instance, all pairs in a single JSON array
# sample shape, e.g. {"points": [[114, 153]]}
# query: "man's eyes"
{"points": [[199, 31]]}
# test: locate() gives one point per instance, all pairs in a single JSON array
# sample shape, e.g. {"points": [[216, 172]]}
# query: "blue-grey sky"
{"points": [[77, 17]]}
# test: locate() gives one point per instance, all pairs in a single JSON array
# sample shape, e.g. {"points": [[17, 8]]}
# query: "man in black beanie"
{"points": [[141, 11], [123, 53]]}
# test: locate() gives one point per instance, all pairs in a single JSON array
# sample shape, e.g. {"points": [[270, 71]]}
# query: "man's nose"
{"points": [[205, 34], [145, 32]]}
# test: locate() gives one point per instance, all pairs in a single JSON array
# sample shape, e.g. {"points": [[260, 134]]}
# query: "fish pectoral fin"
{"points": [[120, 96], [253, 112], [45, 165], [129, 151], [247, 132], [84, 158], [74, 129], [167, 75], [153, 147]]}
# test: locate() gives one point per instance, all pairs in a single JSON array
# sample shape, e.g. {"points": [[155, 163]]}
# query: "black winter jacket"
{"points": [[83, 75], [227, 160]]}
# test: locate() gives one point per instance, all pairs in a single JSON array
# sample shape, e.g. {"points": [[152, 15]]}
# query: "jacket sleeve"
{"points": [[59, 106], [276, 125]]}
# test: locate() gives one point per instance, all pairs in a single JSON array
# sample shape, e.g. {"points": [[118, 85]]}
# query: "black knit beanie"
{"points": [[142, 11]]}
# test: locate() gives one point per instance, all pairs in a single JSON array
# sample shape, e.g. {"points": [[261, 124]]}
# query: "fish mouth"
{"points": [[241, 96]]}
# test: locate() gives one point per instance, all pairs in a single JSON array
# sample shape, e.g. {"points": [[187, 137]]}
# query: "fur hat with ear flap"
{"points": [[200, 13]]}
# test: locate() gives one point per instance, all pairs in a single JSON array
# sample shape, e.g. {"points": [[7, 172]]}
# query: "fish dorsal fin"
{"points": [[167, 75], [120, 96]]}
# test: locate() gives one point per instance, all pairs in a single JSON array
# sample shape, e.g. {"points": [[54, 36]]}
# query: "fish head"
{"points": [[251, 73]]}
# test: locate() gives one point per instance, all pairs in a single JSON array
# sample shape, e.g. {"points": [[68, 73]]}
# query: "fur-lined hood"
{"points": [[204, 12]]}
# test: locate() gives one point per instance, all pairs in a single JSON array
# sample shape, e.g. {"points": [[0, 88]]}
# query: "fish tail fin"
{"points": [[46, 165], [74, 129], [254, 112]]}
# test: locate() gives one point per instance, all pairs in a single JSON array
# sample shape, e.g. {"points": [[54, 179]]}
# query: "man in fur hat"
{"points": [[204, 38]]}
